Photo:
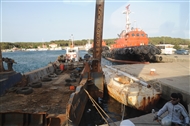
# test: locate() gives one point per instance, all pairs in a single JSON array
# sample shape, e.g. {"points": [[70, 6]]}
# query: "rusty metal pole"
{"points": [[1, 61], [98, 33]]}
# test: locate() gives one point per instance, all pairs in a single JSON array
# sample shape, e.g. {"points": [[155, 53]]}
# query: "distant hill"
{"points": [[64, 43]]}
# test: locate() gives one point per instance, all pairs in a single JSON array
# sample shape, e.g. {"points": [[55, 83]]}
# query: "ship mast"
{"points": [[127, 12], [72, 44]]}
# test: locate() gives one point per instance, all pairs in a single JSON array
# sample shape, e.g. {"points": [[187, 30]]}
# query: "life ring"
{"points": [[52, 75], [137, 50], [67, 84], [74, 55], [70, 80], [67, 80], [58, 71], [68, 55], [152, 51], [74, 75], [131, 51], [73, 80], [36, 85], [46, 79], [160, 58], [25, 90]]}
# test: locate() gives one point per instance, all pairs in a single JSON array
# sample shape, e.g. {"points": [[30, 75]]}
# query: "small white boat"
{"points": [[72, 52], [43, 49], [131, 91], [31, 49]]}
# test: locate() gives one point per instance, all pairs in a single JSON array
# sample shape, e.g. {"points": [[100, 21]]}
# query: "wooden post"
{"points": [[1, 61]]}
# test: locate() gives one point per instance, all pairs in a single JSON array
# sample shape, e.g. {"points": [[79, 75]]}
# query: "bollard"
{"points": [[152, 71]]}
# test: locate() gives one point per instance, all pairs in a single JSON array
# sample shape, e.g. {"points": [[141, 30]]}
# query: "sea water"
{"points": [[27, 61]]}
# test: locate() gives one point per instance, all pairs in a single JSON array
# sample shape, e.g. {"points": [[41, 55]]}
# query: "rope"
{"points": [[123, 113], [96, 104]]}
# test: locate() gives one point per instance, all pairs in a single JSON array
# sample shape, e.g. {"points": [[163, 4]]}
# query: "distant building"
{"points": [[183, 46], [43, 46], [53, 45]]}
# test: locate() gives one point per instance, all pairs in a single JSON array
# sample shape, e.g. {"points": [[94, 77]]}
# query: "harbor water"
{"points": [[27, 61]]}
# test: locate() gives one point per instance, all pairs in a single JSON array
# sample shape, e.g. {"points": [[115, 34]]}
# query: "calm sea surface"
{"points": [[32, 60]]}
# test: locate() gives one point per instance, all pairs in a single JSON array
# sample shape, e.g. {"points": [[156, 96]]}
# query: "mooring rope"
{"points": [[96, 104]]}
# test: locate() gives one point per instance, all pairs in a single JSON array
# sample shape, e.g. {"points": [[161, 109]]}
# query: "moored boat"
{"points": [[131, 91], [72, 53], [132, 45], [104, 47]]}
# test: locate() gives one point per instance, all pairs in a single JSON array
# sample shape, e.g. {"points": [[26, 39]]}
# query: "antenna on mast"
{"points": [[127, 12], [72, 44]]}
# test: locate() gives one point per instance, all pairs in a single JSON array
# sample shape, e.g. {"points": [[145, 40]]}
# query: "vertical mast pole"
{"points": [[1, 60], [98, 33], [127, 12]]}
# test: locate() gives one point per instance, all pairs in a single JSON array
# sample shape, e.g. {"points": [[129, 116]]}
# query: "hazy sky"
{"points": [[46, 20]]}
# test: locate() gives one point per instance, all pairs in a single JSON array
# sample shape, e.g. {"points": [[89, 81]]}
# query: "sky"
{"points": [[47, 20]]}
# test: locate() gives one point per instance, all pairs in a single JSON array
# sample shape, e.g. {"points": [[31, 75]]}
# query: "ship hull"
{"points": [[144, 53]]}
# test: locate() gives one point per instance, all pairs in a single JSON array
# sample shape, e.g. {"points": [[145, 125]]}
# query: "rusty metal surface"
{"points": [[98, 33], [35, 75], [132, 94], [9, 81], [47, 105], [77, 103], [50, 99], [1, 60], [24, 119], [98, 80]]}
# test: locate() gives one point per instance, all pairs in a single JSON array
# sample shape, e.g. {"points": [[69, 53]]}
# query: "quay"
{"points": [[174, 75]]}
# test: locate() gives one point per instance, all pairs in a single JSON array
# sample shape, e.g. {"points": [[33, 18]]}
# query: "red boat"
{"points": [[132, 45]]}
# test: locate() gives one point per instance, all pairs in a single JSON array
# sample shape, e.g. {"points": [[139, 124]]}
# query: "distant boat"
{"points": [[31, 49], [72, 53], [88, 45], [43, 49], [56, 48]]}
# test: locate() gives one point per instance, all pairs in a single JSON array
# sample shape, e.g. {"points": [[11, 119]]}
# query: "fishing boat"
{"points": [[130, 90], [132, 45]]}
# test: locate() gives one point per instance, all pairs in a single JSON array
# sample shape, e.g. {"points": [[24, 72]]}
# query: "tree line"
{"points": [[64, 43]]}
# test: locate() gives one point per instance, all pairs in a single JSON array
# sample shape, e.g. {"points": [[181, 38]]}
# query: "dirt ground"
{"points": [[51, 98]]}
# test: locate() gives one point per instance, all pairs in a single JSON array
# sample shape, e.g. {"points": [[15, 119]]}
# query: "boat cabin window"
{"points": [[127, 35], [133, 34], [142, 35], [72, 50], [137, 34], [161, 47]]}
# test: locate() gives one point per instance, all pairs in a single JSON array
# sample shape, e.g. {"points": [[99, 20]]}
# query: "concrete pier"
{"points": [[173, 76]]}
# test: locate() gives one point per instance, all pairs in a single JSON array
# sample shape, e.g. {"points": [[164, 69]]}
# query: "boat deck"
{"points": [[51, 98]]}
